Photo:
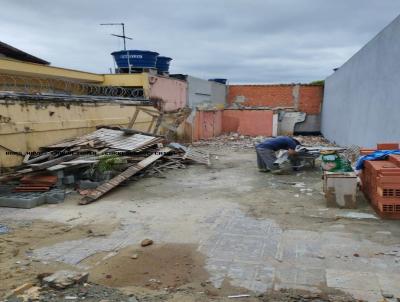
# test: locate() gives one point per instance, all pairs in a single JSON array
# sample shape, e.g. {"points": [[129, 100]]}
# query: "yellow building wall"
{"points": [[26, 126], [37, 71], [129, 80], [8, 66]]}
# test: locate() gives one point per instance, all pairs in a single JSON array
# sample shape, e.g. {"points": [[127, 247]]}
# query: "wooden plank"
{"points": [[56, 167], [134, 117], [134, 131], [26, 158], [151, 124], [39, 158], [114, 182], [53, 162], [158, 123]]}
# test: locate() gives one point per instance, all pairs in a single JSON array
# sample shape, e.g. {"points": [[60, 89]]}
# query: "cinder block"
{"points": [[88, 184], [5, 189], [69, 180], [60, 177], [55, 196], [22, 200]]}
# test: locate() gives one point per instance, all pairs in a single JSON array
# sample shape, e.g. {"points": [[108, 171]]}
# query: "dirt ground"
{"points": [[220, 231]]}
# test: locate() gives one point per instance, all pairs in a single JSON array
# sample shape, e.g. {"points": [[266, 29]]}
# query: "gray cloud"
{"points": [[243, 40]]}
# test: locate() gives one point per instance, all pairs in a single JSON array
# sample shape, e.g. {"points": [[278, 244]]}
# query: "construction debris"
{"points": [[93, 164], [237, 141], [20, 289], [36, 183], [197, 156], [104, 188], [3, 229], [146, 242], [63, 279]]}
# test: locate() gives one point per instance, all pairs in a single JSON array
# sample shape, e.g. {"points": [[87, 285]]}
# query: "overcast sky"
{"points": [[246, 41]]}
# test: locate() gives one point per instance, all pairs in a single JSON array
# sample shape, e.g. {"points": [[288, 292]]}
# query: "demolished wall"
{"points": [[171, 92], [361, 102], [302, 98], [206, 99]]}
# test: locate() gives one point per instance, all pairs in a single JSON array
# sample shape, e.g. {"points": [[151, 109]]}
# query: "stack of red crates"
{"points": [[381, 182]]}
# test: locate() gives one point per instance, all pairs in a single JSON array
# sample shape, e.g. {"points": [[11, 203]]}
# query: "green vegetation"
{"points": [[320, 82], [109, 162]]}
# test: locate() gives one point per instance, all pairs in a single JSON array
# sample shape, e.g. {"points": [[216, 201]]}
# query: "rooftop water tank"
{"points": [[162, 64], [221, 81], [135, 59]]}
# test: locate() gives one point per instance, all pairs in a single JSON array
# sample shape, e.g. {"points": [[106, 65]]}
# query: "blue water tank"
{"points": [[135, 58], [162, 64], [221, 81]]}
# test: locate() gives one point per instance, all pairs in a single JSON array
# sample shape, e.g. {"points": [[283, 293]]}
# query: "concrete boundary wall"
{"points": [[26, 126], [362, 98]]}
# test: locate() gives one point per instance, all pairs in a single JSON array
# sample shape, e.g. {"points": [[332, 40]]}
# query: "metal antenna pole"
{"points": [[123, 32]]}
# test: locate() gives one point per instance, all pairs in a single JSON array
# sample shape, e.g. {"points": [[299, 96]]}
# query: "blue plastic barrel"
{"points": [[135, 58], [221, 81], [162, 64]]}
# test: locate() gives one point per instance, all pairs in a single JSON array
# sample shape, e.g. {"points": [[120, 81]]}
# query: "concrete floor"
{"points": [[259, 231]]}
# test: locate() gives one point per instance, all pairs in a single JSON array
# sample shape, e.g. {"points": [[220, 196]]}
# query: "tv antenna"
{"points": [[123, 32]]}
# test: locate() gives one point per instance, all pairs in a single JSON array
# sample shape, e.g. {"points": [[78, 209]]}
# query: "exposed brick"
{"points": [[309, 100]]}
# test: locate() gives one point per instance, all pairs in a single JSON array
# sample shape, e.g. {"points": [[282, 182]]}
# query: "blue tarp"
{"points": [[377, 155]]}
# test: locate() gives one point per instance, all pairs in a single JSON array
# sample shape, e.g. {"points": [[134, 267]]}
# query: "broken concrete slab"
{"points": [[146, 242], [64, 278]]}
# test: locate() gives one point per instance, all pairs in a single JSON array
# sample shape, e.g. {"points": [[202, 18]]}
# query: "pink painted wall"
{"points": [[207, 124], [248, 122], [171, 91]]}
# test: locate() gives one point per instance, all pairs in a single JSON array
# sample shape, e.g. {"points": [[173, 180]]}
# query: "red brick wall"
{"points": [[309, 100], [262, 95]]}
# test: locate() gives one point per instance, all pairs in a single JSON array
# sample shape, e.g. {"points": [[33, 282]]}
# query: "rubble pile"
{"points": [[92, 165], [234, 141], [314, 140], [237, 141]]}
